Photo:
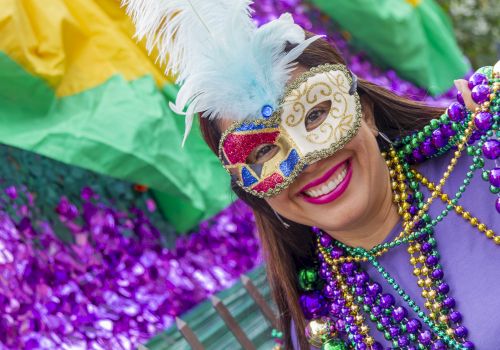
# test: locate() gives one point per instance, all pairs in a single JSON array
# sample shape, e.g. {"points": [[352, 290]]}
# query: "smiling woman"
{"points": [[345, 180]]}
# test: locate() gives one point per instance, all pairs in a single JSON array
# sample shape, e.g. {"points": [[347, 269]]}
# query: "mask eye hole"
{"points": [[317, 115], [262, 153]]}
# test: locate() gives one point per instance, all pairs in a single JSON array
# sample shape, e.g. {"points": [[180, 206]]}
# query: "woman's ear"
{"points": [[368, 115]]}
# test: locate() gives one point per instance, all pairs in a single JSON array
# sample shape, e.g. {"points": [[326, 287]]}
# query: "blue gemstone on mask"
{"points": [[267, 111], [289, 164], [247, 177]]}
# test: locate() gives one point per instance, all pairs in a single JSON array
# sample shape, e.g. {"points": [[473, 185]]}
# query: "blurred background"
{"points": [[108, 229]]}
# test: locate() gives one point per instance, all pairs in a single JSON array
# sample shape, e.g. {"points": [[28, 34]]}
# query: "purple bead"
{"points": [[385, 321], [425, 337], [312, 305], [360, 290], [345, 311], [438, 138], [483, 120], [413, 210], [340, 325], [403, 341], [438, 345], [354, 329], [417, 155], [497, 205], [455, 316], [348, 268], [373, 289], [386, 301], [480, 93], [495, 177], [325, 240], [351, 280], [491, 149], [456, 112], [460, 98], [349, 319], [361, 346], [413, 325], [461, 331], [427, 148], [449, 302], [336, 252], [362, 278], [437, 274], [393, 331], [399, 313], [426, 247], [335, 309], [376, 310], [431, 260], [377, 346], [448, 130], [358, 338], [477, 79], [443, 288], [329, 291], [469, 345], [368, 300]]}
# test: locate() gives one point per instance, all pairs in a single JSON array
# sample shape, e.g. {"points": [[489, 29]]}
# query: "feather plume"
{"points": [[225, 65]]}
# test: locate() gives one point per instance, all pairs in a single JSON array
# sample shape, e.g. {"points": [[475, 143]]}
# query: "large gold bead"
{"points": [[481, 227], [496, 239], [490, 233], [317, 332]]}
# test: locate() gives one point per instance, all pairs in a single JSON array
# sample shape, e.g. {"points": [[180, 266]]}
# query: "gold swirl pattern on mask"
{"points": [[322, 134]]}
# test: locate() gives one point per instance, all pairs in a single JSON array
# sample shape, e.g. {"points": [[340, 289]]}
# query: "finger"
{"points": [[463, 87]]}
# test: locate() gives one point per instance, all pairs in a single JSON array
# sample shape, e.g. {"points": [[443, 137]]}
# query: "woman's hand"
{"points": [[463, 86]]}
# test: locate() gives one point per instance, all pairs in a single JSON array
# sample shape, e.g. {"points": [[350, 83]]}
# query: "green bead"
{"points": [[419, 195], [380, 327], [478, 161], [494, 189], [420, 136], [427, 130], [334, 344], [387, 335], [308, 279], [485, 175], [412, 337], [395, 344], [444, 118], [471, 150]]}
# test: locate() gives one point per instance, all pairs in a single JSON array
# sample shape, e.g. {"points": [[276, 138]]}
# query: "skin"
{"points": [[364, 214]]}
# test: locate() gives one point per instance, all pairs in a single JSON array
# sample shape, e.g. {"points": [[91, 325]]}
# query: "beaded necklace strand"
{"points": [[338, 293]]}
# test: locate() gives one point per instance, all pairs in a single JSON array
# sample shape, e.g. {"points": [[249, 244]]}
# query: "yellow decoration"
{"points": [[57, 39]]}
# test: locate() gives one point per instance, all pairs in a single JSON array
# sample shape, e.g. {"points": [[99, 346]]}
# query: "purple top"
{"points": [[471, 262]]}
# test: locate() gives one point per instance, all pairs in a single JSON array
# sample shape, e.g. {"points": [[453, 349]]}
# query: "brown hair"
{"points": [[288, 250]]}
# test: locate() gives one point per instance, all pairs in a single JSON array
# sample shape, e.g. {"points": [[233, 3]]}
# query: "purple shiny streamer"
{"points": [[108, 288]]}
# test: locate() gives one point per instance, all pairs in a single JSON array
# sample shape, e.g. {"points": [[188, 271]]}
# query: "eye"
{"points": [[317, 115], [262, 154]]}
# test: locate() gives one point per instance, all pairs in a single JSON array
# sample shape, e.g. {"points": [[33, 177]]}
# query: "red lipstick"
{"points": [[336, 192]]}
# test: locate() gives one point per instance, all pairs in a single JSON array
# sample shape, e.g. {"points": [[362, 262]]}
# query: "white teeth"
{"points": [[329, 186]]}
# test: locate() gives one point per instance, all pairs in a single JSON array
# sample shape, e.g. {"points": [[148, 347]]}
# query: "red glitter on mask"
{"points": [[238, 146], [269, 183]]}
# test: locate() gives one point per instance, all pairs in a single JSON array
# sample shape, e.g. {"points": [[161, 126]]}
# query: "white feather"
{"points": [[225, 65]]}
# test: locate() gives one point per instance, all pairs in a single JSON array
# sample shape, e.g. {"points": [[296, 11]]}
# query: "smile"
{"points": [[330, 186]]}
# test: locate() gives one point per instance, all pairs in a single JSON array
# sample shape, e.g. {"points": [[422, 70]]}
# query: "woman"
{"points": [[370, 237]]}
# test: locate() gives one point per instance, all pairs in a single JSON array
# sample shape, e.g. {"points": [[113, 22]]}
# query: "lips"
{"points": [[330, 186]]}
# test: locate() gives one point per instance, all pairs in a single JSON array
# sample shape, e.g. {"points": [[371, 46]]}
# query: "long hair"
{"points": [[286, 251]]}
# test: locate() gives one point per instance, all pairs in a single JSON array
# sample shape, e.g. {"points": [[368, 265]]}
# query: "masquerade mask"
{"points": [[319, 113]]}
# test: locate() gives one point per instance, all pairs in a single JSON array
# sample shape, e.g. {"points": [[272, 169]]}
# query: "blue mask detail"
{"points": [[289, 164], [247, 177]]}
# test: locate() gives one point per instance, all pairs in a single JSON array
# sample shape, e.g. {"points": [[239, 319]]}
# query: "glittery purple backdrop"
{"points": [[113, 285]]}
